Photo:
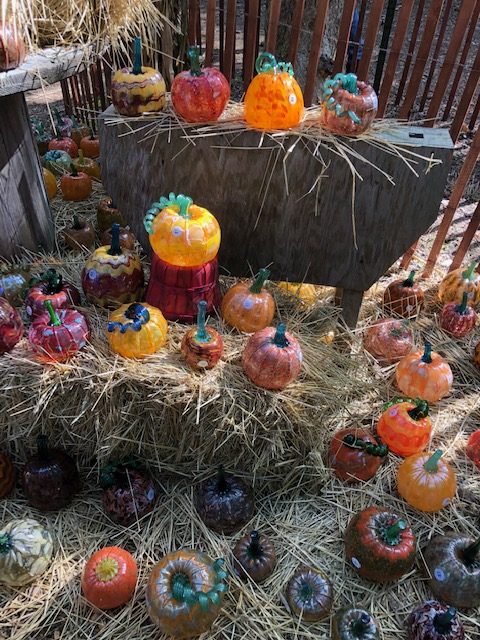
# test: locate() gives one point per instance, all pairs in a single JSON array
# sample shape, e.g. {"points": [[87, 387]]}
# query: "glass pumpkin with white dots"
{"points": [[181, 233]]}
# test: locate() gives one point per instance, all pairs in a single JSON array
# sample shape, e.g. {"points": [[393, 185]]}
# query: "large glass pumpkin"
{"points": [[424, 374], [248, 306], [348, 105], [405, 426], [11, 326], [274, 99], [458, 282], [182, 233], [12, 46], [137, 330]]}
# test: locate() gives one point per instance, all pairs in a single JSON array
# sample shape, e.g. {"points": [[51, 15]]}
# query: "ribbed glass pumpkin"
{"points": [[349, 106], [424, 374], [26, 549], [309, 594], [405, 426], [354, 624], [137, 330], [458, 282], [248, 306]]}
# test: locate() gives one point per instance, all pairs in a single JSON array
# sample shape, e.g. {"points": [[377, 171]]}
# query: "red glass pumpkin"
{"points": [[199, 95], [90, 145], [202, 346], [388, 340], [404, 297], [64, 144], [128, 492], [11, 326], [50, 286], [109, 578], [434, 621], [355, 455], [12, 47], [58, 336], [272, 358], [473, 448], [458, 319], [349, 106], [405, 426], [7, 475]]}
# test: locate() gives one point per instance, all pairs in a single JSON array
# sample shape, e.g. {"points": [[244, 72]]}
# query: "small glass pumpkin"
{"points": [[248, 306], [127, 239], [434, 621], [63, 124], [128, 492], [50, 183], [199, 95], [108, 214], [42, 138], [458, 319], [349, 106], [57, 161], [26, 549], [388, 340], [458, 282], [78, 132], [62, 143], [138, 90], [50, 286], [404, 297], [137, 330], [424, 375], [13, 284], [79, 236], [355, 455], [12, 46], [272, 358], [354, 624], [473, 448], [90, 145], [274, 99], [202, 346], [182, 233], [379, 545], [405, 426], [11, 326], [309, 594], [255, 557], [185, 593], [109, 578], [426, 481], [7, 475], [87, 165], [75, 186]]}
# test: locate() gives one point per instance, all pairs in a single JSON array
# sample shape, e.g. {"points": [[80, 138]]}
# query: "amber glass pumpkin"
{"points": [[90, 145], [274, 99], [12, 46], [138, 90], [127, 239], [388, 340], [424, 374], [58, 162], [248, 306], [224, 502], [379, 545], [108, 214], [78, 131], [473, 448], [50, 286], [426, 481], [137, 330], [349, 106], [405, 426], [112, 275], [434, 621], [58, 336], [80, 235], [199, 95], [75, 186], [404, 297], [50, 477], [7, 475], [181, 233], [355, 455], [202, 346], [307, 293], [26, 549], [185, 593], [11, 327], [309, 594], [50, 183], [87, 165], [128, 492], [109, 578], [453, 569], [476, 355], [458, 282], [272, 358], [255, 557], [61, 143], [354, 624], [458, 319]]}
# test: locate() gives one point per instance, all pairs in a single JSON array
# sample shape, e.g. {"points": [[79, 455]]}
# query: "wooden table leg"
{"points": [[25, 217], [351, 303]]}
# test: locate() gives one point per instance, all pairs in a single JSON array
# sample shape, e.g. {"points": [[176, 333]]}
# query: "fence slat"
{"points": [[210, 32], [295, 32], [385, 39], [370, 38], [272, 29], [193, 10], [466, 98], [473, 119], [421, 58], [66, 97], [457, 192], [408, 255], [466, 241], [221, 32], [356, 37], [317, 37], [344, 35], [229, 53], [411, 48], [251, 40]]}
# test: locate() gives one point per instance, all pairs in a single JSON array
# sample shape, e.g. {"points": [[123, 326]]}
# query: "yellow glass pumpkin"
{"points": [[307, 293], [137, 330], [458, 282], [50, 183], [181, 233]]}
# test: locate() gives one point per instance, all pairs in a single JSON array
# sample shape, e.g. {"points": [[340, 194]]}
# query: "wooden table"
{"points": [[25, 217], [306, 235]]}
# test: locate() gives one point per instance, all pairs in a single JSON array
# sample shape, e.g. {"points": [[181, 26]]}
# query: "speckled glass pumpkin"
{"points": [[57, 161], [405, 426], [355, 455], [404, 297], [7, 475], [458, 319], [138, 90], [349, 106], [58, 336], [458, 282], [13, 284], [255, 557], [309, 594], [11, 326], [379, 545], [185, 593], [128, 492], [354, 624], [26, 549], [87, 165], [75, 186], [424, 374], [274, 99], [272, 358], [137, 330], [434, 621], [62, 143], [109, 578], [90, 145], [50, 286], [181, 233], [202, 346], [388, 340], [248, 306], [12, 46], [426, 481]]}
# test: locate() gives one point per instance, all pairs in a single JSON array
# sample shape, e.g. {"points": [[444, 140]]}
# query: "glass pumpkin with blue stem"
{"points": [[349, 106], [202, 346], [137, 330]]}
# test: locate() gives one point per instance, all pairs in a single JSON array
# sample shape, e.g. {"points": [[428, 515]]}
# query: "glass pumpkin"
{"points": [[185, 593], [63, 124], [62, 143], [202, 346], [127, 239], [308, 293], [79, 236], [199, 95], [113, 275], [128, 492], [75, 186], [274, 99], [458, 319], [58, 336], [248, 306], [12, 46], [181, 233], [355, 455], [272, 358], [405, 426], [404, 297], [11, 326], [309, 594], [7, 475], [109, 578], [13, 284], [349, 106], [108, 214], [137, 330], [87, 165], [78, 132], [426, 481], [50, 183], [458, 282], [379, 545], [434, 621], [254, 557], [50, 286], [388, 340], [453, 569], [473, 448], [424, 374], [57, 161], [138, 90], [90, 145], [26, 549], [354, 624]]}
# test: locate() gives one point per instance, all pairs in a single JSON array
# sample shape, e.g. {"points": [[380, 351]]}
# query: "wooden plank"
{"points": [[210, 32], [344, 35], [67, 101], [370, 38], [476, 110], [101, 70], [89, 95], [466, 241], [470, 88], [250, 41], [317, 37], [351, 302], [394, 55], [297, 19], [272, 29], [411, 49], [193, 11], [229, 52]]}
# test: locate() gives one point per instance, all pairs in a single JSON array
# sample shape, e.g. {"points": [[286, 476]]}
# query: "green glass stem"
{"points": [[420, 411], [409, 281], [53, 280], [280, 339], [184, 203], [202, 334], [193, 54], [137, 56], [462, 307], [443, 621], [73, 170], [393, 531], [115, 248], [431, 465], [471, 552], [378, 450], [427, 354], [4, 543], [260, 279], [181, 588], [469, 274], [54, 319]]}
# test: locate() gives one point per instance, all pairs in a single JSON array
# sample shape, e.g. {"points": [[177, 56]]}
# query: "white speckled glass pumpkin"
{"points": [[25, 552]]}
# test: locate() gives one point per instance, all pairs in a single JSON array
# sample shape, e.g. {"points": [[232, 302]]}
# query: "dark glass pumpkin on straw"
{"points": [[128, 492], [309, 594], [11, 326], [354, 624], [434, 621], [255, 557], [404, 297]]}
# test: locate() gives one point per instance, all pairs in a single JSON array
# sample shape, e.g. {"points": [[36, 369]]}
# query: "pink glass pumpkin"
{"points": [[11, 326]]}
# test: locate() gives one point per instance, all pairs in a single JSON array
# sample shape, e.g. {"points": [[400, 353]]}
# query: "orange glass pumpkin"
{"points": [[388, 340], [274, 99], [75, 186], [63, 144], [424, 375], [109, 578], [458, 282], [349, 106], [307, 293], [202, 346], [355, 455], [137, 330], [12, 46], [426, 481], [87, 165], [50, 183], [476, 355], [272, 358], [473, 448], [248, 306], [404, 297], [90, 145], [458, 319], [181, 233], [405, 426]]}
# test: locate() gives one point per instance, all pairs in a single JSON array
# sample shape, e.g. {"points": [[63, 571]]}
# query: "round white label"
{"points": [[356, 563], [439, 574], [292, 98], [177, 231]]}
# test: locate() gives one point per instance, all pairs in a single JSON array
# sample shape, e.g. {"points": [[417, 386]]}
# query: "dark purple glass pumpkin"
{"points": [[128, 492]]}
